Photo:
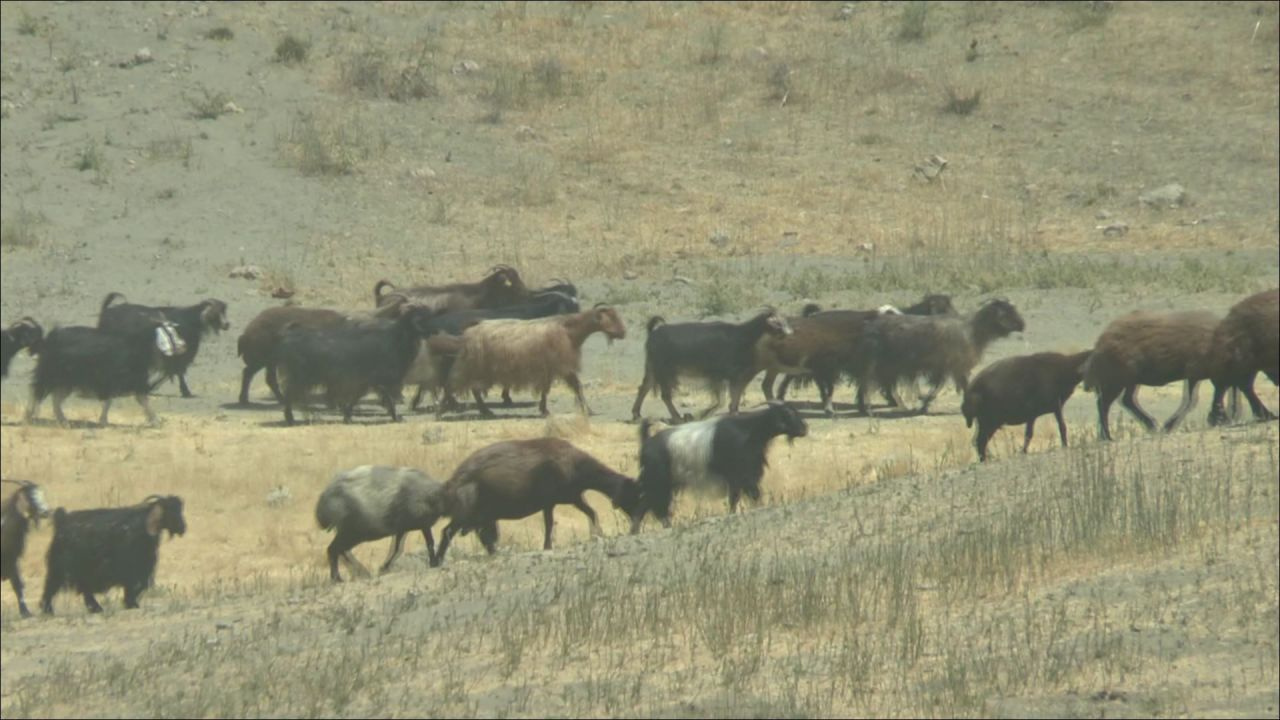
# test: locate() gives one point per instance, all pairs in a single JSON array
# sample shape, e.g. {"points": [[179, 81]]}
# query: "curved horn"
{"points": [[110, 298], [377, 290], [599, 305], [151, 499], [559, 281], [28, 320], [20, 483]]}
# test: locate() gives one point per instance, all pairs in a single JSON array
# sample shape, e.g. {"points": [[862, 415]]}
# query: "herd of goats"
{"points": [[450, 339]]}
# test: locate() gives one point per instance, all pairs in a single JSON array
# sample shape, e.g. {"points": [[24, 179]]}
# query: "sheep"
{"points": [[517, 478], [718, 352], [260, 341], [102, 364], [1018, 390], [95, 550], [902, 348], [349, 360], [26, 333], [371, 502], [192, 322], [25, 507], [724, 452], [1245, 342], [529, 354], [501, 286], [1145, 348], [430, 370]]}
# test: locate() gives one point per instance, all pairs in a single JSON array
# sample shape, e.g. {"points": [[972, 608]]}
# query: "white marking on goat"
{"points": [[690, 448], [168, 342], [888, 310]]}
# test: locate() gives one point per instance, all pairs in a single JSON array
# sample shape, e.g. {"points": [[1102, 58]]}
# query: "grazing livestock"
{"points": [[1246, 342], [904, 348], [24, 508], [102, 364], [192, 322], [350, 359], [1145, 348], [719, 353], [502, 286], [26, 333], [529, 354], [727, 452], [371, 502], [517, 478], [95, 550], [1018, 390]]}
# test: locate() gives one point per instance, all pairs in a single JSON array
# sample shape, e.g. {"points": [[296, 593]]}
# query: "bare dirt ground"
{"points": [[694, 161]]}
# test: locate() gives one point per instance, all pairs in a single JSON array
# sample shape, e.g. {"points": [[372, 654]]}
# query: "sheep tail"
{"points": [[1087, 373], [644, 430], [654, 322], [969, 408], [328, 511]]}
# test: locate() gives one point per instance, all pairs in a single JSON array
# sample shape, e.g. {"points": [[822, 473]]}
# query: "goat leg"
{"points": [[1260, 411], [397, 545], [431, 542], [145, 402], [1106, 396], [91, 602], [591, 515], [644, 390], [1129, 399], [59, 396], [182, 386], [1189, 396], [106, 407], [484, 409], [665, 391], [574, 384], [506, 397], [1031, 429], [549, 523], [16, 582], [766, 385], [1062, 424], [985, 433]]}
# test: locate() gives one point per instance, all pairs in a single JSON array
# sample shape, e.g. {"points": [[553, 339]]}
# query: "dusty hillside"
{"points": [[694, 160]]}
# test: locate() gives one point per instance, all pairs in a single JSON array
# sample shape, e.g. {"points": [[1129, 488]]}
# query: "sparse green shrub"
{"points": [[330, 146], [21, 229], [911, 25], [374, 72], [779, 82], [549, 74], [224, 33], [210, 105], [722, 296], [713, 44], [958, 103], [292, 50], [29, 24], [90, 157]]}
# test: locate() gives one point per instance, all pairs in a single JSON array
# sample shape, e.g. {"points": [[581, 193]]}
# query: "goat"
{"points": [[1018, 390], [260, 341], [529, 354], [26, 333], [95, 550], [350, 359], [501, 286], [191, 322], [102, 364], [718, 352], [1245, 342], [900, 348], [371, 502], [1144, 348], [517, 478], [430, 369], [726, 452], [25, 507], [931, 304]]}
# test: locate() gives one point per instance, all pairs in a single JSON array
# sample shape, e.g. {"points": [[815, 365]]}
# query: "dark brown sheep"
{"points": [[501, 286], [1145, 348], [517, 478], [1246, 342], [1018, 390]]}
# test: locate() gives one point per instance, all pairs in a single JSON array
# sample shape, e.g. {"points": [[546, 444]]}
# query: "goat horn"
{"points": [[28, 320], [151, 499], [560, 281], [21, 483], [599, 305]]}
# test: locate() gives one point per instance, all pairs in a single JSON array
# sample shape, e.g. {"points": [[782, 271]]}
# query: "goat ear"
{"points": [[24, 507], [154, 516]]}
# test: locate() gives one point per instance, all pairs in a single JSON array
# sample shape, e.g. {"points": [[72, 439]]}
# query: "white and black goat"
{"points": [[719, 353], [24, 508], [102, 364], [517, 478], [95, 550], [26, 333], [191, 321], [728, 452], [371, 502]]}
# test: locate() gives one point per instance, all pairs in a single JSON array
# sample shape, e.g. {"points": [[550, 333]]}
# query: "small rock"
{"points": [[279, 496], [248, 272], [629, 275], [1115, 229], [142, 57], [682, 279], [465, 67], [866, 247], [930, 169], [1103, 215], [719, 238], [1171, 195], [423, 173]]}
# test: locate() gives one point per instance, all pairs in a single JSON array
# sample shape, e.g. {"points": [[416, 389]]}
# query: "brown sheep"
{"points": [[529, 354], [1245, 342], [517, 478], [1018, 390], [1145, 348]]}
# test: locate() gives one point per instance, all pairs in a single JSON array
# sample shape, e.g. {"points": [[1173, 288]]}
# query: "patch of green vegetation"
{"points": [[21, 229], [292, 50]]}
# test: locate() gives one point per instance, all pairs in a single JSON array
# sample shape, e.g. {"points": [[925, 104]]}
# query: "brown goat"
{"points": [[1245, 342], [261, 337], [1145, 348], [1018, 390], [517, 478], [900, 348], [501, 286], [529, 354]]}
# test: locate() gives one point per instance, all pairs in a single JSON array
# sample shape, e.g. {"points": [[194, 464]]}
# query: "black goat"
{"points": [[102, 364], [501, 286], [348, 360], [95, 550], [728, 451], [1018, 390], [191, 322], [26, 333], [24, 508], [517, 478], [717, 352]]}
